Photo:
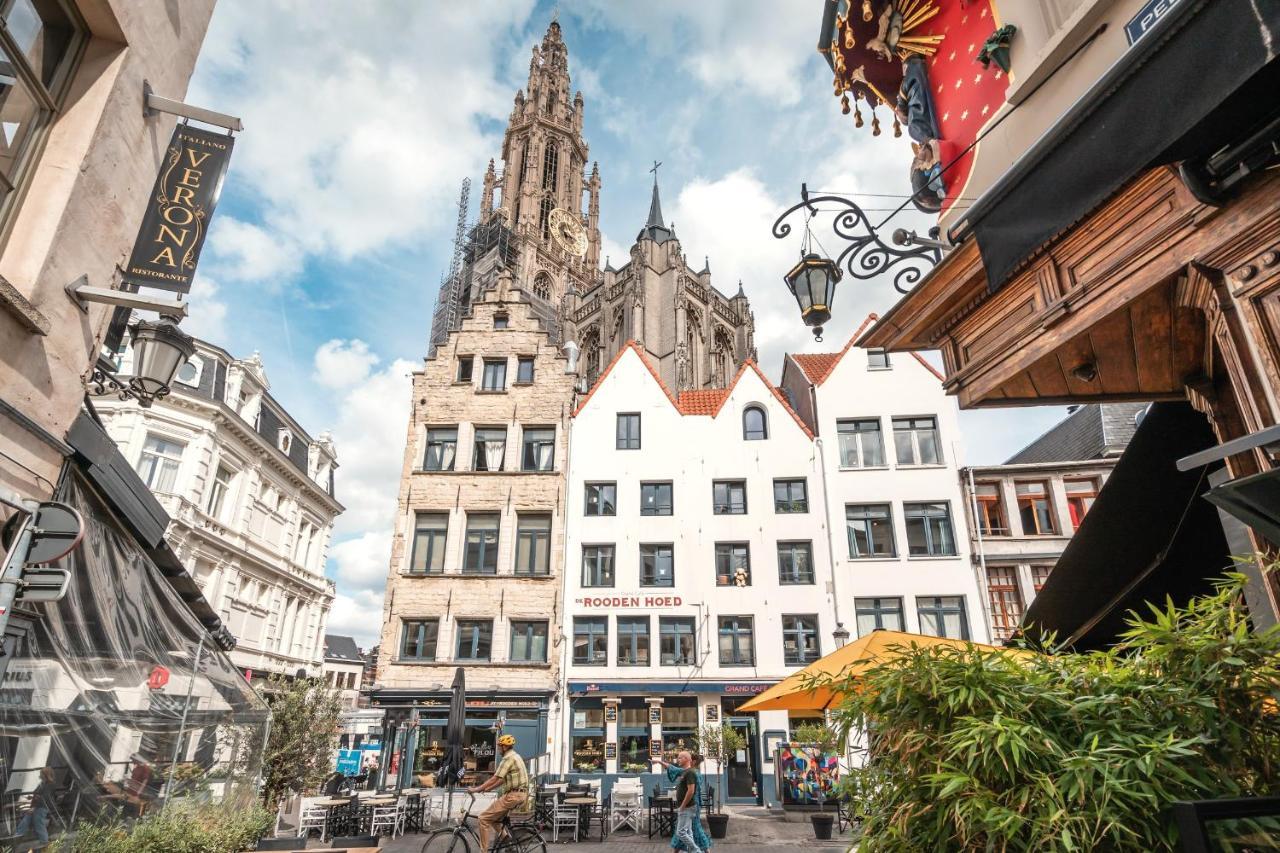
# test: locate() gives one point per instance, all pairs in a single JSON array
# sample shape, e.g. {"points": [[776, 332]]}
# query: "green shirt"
{"points": [[512, 772]]}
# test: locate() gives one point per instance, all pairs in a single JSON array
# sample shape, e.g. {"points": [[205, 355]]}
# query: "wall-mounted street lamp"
{"points": [[159, 351], [841, 635], [864, 256]]}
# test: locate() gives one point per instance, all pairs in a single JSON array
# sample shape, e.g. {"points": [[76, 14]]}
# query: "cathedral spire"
{"points": [[655, 207]]}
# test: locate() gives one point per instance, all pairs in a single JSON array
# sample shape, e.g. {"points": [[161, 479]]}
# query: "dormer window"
{"points": [[285, 441]]}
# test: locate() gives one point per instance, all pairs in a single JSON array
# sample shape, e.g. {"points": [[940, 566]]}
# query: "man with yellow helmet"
{"points": [[514, 779]]}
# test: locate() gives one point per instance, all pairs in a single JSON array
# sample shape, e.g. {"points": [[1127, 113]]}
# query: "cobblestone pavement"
{"points": [[751, 830]]}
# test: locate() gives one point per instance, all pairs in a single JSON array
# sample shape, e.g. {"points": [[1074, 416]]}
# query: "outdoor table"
{"points": [[584, 805], [380, 801]]}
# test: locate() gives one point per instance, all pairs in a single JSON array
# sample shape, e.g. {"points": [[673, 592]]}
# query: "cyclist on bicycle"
{"points": [[514, 779]]}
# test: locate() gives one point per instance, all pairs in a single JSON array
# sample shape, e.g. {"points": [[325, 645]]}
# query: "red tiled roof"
{"points": [[818, 366], [707, 402]]}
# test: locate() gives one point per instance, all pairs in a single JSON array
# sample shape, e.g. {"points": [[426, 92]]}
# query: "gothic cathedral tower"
{"points": [[532, 225]]}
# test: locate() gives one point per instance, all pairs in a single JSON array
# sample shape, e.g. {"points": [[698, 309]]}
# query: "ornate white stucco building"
{"points": [[251, 495], [697, 570]]}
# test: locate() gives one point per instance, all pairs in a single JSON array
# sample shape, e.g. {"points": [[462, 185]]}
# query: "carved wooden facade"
{"points": [[1154, 296]]}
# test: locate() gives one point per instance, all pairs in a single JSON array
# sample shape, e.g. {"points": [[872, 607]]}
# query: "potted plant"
{"points": [[717, 743], [824, 738]]}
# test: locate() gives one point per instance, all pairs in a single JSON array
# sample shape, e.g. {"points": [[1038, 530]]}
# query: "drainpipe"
{"points": [[831, 548], [562, 689], [982, 556]]}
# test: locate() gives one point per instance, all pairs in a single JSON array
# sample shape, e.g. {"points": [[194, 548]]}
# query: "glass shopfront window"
{"points": [[587, 736], [679, 722], [633, 735], [479, 736]]}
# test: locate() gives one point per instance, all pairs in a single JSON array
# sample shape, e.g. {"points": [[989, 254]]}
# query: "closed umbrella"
{"points": [[455, 734]]}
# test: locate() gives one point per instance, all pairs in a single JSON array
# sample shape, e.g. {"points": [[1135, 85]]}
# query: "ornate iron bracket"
{"points": [[866, 256], [102, 382]]}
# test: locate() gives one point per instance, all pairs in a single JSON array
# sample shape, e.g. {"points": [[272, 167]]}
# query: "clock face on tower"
{"points": [[568, 232]]}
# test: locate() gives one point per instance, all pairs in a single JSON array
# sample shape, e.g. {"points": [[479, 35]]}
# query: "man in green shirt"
{"points": [[514, 779], [687, 803]]}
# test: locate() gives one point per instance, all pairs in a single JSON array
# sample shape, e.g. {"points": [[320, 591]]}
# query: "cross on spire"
{"points": [[656, 164]]}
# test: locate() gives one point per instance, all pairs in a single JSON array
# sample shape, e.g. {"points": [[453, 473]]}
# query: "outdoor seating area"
{"points": [[379, 814]]}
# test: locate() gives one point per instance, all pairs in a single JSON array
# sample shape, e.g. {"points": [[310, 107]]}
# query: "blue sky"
{"points": [[361, 120]]}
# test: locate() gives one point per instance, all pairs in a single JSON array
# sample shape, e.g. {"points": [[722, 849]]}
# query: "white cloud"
{"points": [[341, 364], [361, 562], [356, 135], [242, 251], [373, 418], [208, 313], [358, 616], [753, 46]]}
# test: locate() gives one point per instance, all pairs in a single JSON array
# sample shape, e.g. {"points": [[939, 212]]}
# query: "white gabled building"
{"points": [[890, 441], [697, 570]]}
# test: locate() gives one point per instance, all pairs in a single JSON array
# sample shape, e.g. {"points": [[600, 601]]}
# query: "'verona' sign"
{"points": [[178, 213]]}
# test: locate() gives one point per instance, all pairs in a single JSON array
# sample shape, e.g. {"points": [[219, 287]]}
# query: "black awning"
{"points": [[1150, 534], [1255, 500], [1200, 79]]}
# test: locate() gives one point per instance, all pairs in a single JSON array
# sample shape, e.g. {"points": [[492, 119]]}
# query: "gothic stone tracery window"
{"points": [[542, 286]]}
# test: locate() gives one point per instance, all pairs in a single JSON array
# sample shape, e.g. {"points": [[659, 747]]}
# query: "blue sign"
{"points": [[1151, 13], [348, 762]]}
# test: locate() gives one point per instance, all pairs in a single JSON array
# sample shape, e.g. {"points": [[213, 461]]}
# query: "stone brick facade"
{"points": [[440, 400]]}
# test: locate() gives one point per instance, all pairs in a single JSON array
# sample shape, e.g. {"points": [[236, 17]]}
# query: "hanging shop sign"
{"points": [[178, 212], [713, 713], [610, 712], [655, 714], [610, 751], [655, 747]]}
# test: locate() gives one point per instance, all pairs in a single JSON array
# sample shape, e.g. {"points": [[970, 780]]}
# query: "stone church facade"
{"points": [[533, 223]]}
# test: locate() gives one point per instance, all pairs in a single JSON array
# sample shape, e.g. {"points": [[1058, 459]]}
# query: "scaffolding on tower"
{"points": [[478, 254]]}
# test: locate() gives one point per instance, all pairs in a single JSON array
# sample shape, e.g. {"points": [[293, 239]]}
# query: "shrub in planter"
{"points": [[184, 827], [974, 750]]}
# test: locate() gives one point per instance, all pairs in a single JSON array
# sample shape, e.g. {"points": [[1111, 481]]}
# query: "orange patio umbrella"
{"points": [[799, 692]]}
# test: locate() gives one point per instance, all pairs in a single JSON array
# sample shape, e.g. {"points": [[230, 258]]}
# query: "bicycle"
{"points": [[462, 838]]}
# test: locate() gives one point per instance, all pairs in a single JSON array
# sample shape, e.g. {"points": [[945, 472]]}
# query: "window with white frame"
{"points": [[218, 491], [158, 466]]}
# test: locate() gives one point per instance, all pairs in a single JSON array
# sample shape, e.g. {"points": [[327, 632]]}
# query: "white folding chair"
{"points": [[624, 808], [314, 817], [566, 817], [386, 818]]}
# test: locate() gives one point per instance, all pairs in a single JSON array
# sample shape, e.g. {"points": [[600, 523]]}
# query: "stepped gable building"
{"points": [[532, 222]]}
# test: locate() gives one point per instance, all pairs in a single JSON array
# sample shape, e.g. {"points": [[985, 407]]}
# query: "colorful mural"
{"points": [[806, 775]]}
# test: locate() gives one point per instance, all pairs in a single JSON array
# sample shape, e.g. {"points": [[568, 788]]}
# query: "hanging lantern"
{"points": [[159, 350], [813, 283]]}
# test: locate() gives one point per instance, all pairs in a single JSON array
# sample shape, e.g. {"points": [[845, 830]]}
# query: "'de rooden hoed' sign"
{"points": [[179, 209]]}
